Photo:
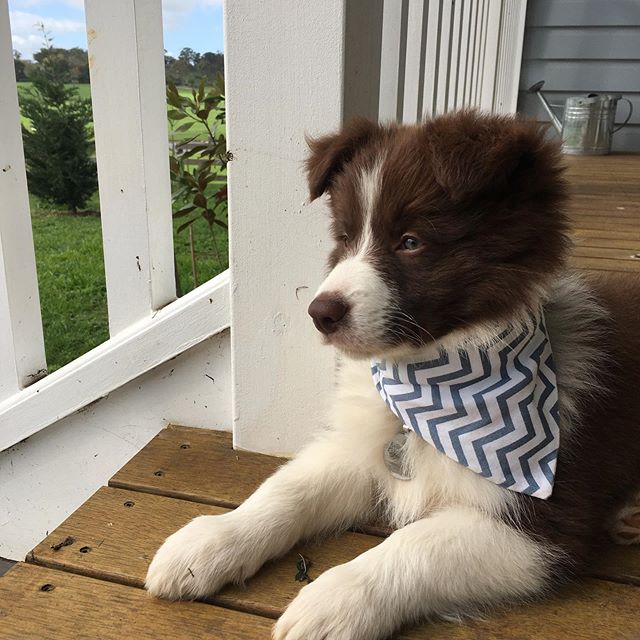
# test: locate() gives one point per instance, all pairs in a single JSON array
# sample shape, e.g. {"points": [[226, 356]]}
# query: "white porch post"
{"points": [[22, 358], [285, 65], [126, 62], [509, 56]]}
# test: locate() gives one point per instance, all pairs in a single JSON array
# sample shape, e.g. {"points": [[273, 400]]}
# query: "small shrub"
{"points": [[58, 147]]}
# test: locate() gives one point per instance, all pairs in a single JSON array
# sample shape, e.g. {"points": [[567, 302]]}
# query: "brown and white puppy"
{"points": [[444, 232]]}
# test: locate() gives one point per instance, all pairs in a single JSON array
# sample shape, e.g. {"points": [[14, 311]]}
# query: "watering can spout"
{"points": [[537, 89]]}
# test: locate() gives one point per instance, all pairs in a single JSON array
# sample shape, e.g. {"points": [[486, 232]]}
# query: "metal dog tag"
{"points": [[394, 456]]}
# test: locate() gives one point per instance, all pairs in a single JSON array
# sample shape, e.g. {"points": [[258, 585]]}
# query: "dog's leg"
{"points": [[457, 561], [319, 490]]}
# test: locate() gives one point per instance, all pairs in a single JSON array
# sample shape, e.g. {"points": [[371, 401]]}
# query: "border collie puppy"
{"points": [[488, 399]]}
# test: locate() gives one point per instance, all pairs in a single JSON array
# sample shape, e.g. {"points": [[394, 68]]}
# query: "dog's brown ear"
{"points": [[330, 153], [472, 153]]}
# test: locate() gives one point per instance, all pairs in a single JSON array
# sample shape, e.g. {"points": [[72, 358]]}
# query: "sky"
{"points": [[187, 23]]}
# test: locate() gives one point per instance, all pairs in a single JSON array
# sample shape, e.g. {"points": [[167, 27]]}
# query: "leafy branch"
{"points": [[197, 165]]}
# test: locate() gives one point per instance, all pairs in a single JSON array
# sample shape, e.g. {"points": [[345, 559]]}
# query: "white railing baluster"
{"points": [[444, 59], [509, 56], [22, 358], [392, 59], [465, 37], [471, 50], [480, 43], [456, 34], [440, 55], [432, 50], [414, 61], [126, 61], [490, 58]]}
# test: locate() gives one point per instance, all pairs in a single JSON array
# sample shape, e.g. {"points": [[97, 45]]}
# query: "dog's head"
{"points": [[438, 227]]}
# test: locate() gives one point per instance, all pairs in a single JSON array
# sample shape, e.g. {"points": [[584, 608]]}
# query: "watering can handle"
{"points": [[534, 88], [628, 115]]}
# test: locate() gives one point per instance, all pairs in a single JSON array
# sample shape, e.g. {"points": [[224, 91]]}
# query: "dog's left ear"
{"points": [[472, 154], [330, 153]]}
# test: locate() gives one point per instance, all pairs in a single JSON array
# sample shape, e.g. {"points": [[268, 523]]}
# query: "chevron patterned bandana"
{"points": [[493, 410]]}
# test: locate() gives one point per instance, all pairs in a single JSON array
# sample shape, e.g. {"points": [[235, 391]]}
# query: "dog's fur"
{"points": [[483, 197]]}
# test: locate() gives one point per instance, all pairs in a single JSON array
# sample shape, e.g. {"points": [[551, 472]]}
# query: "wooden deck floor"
{"points": [[605, 211], [85, 579]]}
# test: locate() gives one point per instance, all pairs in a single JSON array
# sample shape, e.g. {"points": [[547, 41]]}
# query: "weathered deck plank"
{"points": [[605, 205], [593, 610], [116, 543], [117, 552], [81, 608], [193, 472], [196, 464], [604, 264]]}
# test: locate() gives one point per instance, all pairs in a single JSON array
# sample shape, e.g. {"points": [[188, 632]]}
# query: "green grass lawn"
{"points": [[71, 266], [71, 276]]}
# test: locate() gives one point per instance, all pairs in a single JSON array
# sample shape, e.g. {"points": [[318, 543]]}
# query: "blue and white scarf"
{"points": [[492, 409]]}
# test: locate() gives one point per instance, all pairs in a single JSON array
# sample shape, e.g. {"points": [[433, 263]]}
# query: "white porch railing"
{"points": [[147, 327], [292, 67], [439, 55], [22, 358]]}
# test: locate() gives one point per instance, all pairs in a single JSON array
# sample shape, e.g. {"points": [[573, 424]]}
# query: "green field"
{"points": [[198, 131]]}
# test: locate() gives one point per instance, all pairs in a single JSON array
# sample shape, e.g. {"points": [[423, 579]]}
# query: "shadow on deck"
{"points": [[84, 580]]}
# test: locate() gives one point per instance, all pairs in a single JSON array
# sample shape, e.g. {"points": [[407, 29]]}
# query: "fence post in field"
{"points": [[22, 357], [286, 70], [126, 62]]}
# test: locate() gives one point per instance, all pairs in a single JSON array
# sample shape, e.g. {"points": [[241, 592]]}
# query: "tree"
{"points": [[18, 63], [190, 67], [78, 65], [58, 146], [189, 56], [210, 65], [72, 65]]}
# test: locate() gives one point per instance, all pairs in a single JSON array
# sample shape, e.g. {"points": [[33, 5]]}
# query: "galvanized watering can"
{"points": [[588, 121]]}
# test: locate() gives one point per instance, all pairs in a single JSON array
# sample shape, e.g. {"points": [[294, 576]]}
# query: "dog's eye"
{"points": [[344, 238], [409, 243]]}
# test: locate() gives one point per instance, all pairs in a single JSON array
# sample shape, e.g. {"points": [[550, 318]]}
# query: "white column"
{"points": [[22, 358], [509, 56], [490, 58], [285, 78], [463, 58], [415, 60], [432, 51], [126, 61], [454, 62], [445, 59], [392, 61]]}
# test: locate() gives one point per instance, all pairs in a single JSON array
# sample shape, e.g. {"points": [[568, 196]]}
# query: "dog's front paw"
{"points": [[199, 559], [339, 605]]}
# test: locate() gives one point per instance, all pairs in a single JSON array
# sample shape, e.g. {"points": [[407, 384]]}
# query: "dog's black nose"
{"points": [[327, 312]]}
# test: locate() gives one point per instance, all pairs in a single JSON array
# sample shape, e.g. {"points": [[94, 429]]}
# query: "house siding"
{"points": [[580, 47]]}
